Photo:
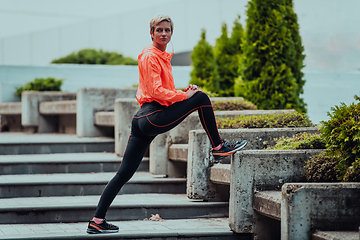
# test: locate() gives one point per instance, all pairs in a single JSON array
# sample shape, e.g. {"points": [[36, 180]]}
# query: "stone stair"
{"points": [[51, 190]]}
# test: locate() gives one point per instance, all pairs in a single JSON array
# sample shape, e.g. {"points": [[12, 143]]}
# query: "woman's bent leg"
{"points": [[133, 155], [171, 116]]}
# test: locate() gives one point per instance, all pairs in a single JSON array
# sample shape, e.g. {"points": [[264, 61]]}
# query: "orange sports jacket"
{"points": [[156, 82]]}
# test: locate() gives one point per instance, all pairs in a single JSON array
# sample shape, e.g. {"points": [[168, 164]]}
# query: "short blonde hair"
{"points": [[158, 19]]}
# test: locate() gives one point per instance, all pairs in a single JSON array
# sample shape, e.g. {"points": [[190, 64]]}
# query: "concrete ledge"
{"points": [[12, 108], [220, 174], [58, 107], [335, 235], [261, 170], [178, 152], [325, 206], [268, 203], [105, 119], [92, 100]]}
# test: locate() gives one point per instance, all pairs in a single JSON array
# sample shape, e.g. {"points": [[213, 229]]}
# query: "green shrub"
{"points": [[233, 105], [92, 56], [204, 72], [353, 172], [322, 168], [302, 140], [284, 120], [266, 77], [40, 84], [342, 135]]}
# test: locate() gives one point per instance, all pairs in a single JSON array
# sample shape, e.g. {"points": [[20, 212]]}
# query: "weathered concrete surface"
{"points": [[105, 119], [220, 174], [30, 115], [325, 206], [58, 107], [124, 110], [260, 170], [159, 153], [12, 108], [178, 152], [91, 100], [200, 159], [268, 203], [335, 235]]}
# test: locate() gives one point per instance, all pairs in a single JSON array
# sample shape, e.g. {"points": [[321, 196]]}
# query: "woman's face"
{"points": [[162, 33]]}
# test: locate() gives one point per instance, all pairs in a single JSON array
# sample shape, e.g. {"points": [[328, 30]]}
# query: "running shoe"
{"points": [[228, 148], [103, 227]]}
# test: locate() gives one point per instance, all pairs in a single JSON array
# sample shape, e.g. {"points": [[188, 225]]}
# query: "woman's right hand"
{"points": [[191, 90]]}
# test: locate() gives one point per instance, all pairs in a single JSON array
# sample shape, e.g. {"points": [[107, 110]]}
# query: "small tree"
{"points": [[227, 55], [223, 55], [266, 78], [204, 72]]}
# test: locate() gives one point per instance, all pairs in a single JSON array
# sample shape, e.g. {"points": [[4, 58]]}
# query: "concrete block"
{"points": [[12, 108], [124, 110], [30, 114], [220, 174], [159, 155], [306, 207], [67, 123], [105, 119], [92, 100], [11, 123], [250, 172], [57, 107], [178, 152], [200, 159]]}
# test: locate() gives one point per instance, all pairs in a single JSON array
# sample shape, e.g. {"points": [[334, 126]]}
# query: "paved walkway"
{"points": [[133, 229]]}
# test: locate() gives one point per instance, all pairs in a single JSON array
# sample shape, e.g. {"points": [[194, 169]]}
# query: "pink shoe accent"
{"points": [[218, 147], [98, 220]]}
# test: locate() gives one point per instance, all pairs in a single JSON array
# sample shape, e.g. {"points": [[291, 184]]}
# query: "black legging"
{"points": [[151, 120]]}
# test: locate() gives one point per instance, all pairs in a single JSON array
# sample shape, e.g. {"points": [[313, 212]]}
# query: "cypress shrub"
{"points": [[204, 72], [266, 78], [227, 54], [296, 62]]}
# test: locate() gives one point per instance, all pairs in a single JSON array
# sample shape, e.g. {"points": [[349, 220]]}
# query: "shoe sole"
{"points": [[219, 156], [96, 231]]}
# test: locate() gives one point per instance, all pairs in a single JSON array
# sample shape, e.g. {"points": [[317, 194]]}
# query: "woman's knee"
{"points": [[203, 98]]}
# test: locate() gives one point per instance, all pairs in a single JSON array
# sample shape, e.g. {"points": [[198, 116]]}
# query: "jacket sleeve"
{"points": [[152, 74]]}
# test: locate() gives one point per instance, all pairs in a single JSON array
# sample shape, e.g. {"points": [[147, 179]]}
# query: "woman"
{"points": [[161, 109]]}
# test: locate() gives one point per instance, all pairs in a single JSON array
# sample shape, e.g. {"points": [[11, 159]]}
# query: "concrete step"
{"points": [[45, 143], [336, 235], [63, 163], [82, 184], [124, 207], [201, 228]]}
